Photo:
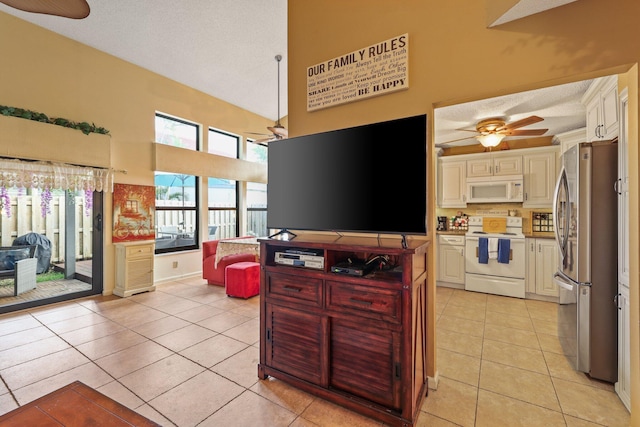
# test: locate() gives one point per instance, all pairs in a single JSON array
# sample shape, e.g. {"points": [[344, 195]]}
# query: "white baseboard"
{"points": [[433, 381]]}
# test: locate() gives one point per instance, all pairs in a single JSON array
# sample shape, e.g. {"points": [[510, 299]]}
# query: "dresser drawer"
{"points": [[139, 251], [298, 289], [377, 303]]}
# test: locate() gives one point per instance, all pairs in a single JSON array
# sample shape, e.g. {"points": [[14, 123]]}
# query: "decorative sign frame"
{"points": [[133, 213], [371, 71]]}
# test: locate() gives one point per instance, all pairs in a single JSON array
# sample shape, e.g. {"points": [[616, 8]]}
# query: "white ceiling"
{"points": [[227, 49], [559, 106]]}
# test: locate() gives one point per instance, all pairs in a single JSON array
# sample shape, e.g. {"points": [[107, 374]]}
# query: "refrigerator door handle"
{"points": [[560, 279], [561, 240]]}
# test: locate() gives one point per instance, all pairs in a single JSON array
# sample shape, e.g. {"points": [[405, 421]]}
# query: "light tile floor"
{"points": [[186, 355]]}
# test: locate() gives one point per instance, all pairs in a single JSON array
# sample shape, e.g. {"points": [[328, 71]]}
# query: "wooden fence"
{"points": [[26, 217]]}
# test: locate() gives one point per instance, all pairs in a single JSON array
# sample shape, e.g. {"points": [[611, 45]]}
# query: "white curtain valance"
{"points": [[42, 175]]}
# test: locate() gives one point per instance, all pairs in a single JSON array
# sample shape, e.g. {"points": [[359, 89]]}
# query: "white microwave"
{"points": [[495, 189]]}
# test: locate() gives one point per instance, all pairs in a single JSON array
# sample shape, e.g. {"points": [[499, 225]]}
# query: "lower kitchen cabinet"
{"points": [[451, 261], [358, 341], [542, 264]]}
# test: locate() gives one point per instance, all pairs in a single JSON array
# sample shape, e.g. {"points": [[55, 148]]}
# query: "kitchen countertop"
{"points": [[537, 235], [541, 235], [452, 232]]}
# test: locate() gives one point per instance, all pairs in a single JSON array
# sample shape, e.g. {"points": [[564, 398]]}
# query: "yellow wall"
{"points": [[454, 58], [48, 73]]}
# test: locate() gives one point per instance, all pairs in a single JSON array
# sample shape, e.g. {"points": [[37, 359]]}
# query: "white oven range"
{"points": [[494, 277]]}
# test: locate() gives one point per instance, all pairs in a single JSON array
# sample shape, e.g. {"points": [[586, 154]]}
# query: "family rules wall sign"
{"points": [[371, 71]]}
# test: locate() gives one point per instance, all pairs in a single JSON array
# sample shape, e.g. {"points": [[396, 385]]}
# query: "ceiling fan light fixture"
{"points": [[490, 139]]}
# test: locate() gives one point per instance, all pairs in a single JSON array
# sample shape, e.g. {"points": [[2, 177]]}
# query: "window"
{"points": [[256, 153], [176, 194], [176, 132], [256, 194], [223, 143], [223, 208], [257, 209]]}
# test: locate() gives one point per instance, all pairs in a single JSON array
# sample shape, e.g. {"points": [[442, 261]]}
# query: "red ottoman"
{"points": [[242, 279]]}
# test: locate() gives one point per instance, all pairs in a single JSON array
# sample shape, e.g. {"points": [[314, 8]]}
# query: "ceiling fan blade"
{"points": [[525, 132], [279, 130], [258, 133], [263, 141], [75, 9], [520, 123]]}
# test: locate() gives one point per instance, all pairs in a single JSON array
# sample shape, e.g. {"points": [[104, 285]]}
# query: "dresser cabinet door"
{"points": [[295, 343], [364, 361]]}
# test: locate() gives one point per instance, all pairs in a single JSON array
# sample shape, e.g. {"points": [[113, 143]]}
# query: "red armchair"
{"points": [[215, 275]]}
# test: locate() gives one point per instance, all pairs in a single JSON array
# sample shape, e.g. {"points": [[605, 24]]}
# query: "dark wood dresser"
{"points": [[358, 341]]}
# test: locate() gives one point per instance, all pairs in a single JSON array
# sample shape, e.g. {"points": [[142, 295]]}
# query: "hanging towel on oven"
{"points": [[483, 250], [493, 248], [504, 247]]}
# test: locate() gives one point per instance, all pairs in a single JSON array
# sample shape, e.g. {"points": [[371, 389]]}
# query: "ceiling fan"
{"points": [[75, 9], [277, 131], [491, 131]]}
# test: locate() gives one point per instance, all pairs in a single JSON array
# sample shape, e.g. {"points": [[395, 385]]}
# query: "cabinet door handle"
{"points": [[497, 169], [616, 300], [532, 249], [539, 247], [292, 289], [359, 301], [616, 187]]}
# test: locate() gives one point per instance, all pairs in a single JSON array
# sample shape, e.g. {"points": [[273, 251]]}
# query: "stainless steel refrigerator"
{"points": [[586, 217]]}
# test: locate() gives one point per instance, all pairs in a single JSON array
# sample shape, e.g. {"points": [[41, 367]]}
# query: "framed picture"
{"points": [[133, 213]]}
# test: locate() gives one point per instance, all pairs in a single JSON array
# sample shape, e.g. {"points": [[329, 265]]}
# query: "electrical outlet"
{"points": [[175, 264]]}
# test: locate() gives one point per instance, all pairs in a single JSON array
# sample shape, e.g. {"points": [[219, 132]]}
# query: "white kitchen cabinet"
{"points": [[542, 264], [601, 103], [570, 138], [623, 385], [494, 165], [453, 183], [540, 177], [451, 259], [622, 187], [134, 268]]}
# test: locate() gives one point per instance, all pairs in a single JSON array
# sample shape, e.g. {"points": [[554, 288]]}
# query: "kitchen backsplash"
{"points": [[484, 209]]}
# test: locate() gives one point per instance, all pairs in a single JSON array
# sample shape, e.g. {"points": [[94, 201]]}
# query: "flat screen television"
{"points": [[370, 178]]}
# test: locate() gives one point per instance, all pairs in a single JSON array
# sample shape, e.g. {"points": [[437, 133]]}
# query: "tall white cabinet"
{"points": [[623, 386]]}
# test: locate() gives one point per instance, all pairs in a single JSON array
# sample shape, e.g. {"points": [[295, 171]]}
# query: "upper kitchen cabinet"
{"points": [[494, 165], [570, 138], [453, 182], [601, 102], [540, 172]]}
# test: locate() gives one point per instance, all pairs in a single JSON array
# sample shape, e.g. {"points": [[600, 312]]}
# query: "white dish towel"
{"points": [[493, 247]]}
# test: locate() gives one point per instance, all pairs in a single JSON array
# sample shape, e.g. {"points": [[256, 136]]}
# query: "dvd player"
{"points": [[353, 268], [299, 259]]}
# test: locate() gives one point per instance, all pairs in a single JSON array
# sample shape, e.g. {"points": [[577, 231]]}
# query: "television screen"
{"points": [[370, 178]]}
